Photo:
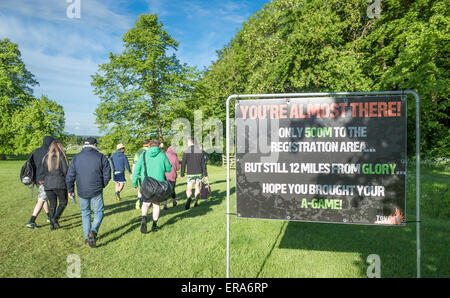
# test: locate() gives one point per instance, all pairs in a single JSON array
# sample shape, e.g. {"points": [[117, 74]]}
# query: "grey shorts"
{"points": [[41, 193]]}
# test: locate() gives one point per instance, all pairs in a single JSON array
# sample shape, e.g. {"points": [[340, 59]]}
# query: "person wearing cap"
{"points": [[145, 146], [92, 172], [120, 162]]}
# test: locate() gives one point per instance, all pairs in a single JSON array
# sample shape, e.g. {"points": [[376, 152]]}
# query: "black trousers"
{"points": [[173, 194], [52, 196]]}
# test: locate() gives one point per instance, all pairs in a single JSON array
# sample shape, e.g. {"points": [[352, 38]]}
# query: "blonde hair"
{"points": [[56, 147]]}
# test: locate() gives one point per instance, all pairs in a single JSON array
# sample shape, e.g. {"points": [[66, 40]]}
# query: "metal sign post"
{"points": [[318, 95]]}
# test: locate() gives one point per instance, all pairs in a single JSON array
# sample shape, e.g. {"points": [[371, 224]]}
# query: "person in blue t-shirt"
{"points": [[119, 162]]}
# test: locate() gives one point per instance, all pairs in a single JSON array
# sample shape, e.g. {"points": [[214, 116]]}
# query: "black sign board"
{"points": [[337, 160]]}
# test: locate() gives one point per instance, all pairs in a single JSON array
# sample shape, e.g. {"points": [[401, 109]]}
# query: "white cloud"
{"points": [[158, 6], [94, 13], [67, 81], [63, 53]]}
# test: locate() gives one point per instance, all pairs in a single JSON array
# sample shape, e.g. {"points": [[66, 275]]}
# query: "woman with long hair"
{"points": [[55, 169]]}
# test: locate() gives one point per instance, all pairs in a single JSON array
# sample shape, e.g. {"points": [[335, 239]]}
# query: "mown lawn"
{"points": [[192, 243]]}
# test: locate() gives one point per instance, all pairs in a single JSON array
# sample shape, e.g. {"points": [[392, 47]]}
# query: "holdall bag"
{"points": [[205, 191], [153, 190]]}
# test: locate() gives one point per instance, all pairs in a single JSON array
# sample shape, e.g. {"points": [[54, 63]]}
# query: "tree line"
{"points": [[287, 46]]}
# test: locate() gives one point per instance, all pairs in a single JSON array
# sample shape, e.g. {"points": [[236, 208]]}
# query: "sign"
{"points": [[333, 159]]}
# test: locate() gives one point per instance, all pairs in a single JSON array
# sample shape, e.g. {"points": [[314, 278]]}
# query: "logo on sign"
{"points": [[393, 219]]}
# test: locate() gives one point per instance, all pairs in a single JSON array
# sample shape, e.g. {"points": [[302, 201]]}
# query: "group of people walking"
{"points": [[91, 171]]}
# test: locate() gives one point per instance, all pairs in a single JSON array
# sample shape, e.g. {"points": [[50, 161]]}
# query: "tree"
{"points": [[138, 86], [16, 84], [324, 46], [42, 117], [408, 48], [24, 120]]}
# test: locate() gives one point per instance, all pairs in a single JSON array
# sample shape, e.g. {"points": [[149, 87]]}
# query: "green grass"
{"points": [[191, 243]]}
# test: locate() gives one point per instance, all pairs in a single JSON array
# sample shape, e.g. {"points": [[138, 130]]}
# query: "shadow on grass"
{"points": [[204, 207], [120, 206], [271, 250], [396, 246], [66, 222], [132, 225]]}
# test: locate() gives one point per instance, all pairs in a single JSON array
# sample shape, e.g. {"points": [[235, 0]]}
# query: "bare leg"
{"points": [[155, 212], [144, 209], [188, 195], [144, 212], [45, 206], [189, 190], [197, 191], [38, 208]]}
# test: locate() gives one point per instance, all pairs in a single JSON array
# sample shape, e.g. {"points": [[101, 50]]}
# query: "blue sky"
{"points": [[64, 52]]}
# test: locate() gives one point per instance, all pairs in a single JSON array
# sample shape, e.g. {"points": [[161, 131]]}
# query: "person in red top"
{"points": [[172, 175]]}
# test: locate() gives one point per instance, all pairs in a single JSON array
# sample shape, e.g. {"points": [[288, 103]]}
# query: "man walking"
{"points": [[193, 159], [92, 172], [37, 157], [145, 146], [120, 162], [156, 164]]}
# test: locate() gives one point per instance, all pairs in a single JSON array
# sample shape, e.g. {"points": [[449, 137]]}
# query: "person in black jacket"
{"points": [[193, 159], [55, 169], [37, 156], [92, 172]]}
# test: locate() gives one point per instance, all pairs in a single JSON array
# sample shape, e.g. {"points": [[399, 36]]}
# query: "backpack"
{"points": [[27, 173]]}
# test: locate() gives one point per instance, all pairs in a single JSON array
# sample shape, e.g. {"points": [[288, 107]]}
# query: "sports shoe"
{"points": [[154, 228], [92, 239], [117, 196], [196, 204], [188, 204], [32, 225]]}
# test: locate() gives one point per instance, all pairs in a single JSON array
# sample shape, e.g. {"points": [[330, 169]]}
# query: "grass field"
{"points": [[192, 243]]}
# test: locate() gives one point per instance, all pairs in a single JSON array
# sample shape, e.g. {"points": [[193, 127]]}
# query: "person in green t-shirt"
{"points": [[145, 146], [157, 166]]}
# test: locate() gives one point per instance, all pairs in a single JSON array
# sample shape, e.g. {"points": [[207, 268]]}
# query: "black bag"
{"points": [[27, 174], [153, 190]]}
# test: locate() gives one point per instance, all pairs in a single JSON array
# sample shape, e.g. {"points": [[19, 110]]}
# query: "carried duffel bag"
{"points": [[154, 191], [205, 190]]}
